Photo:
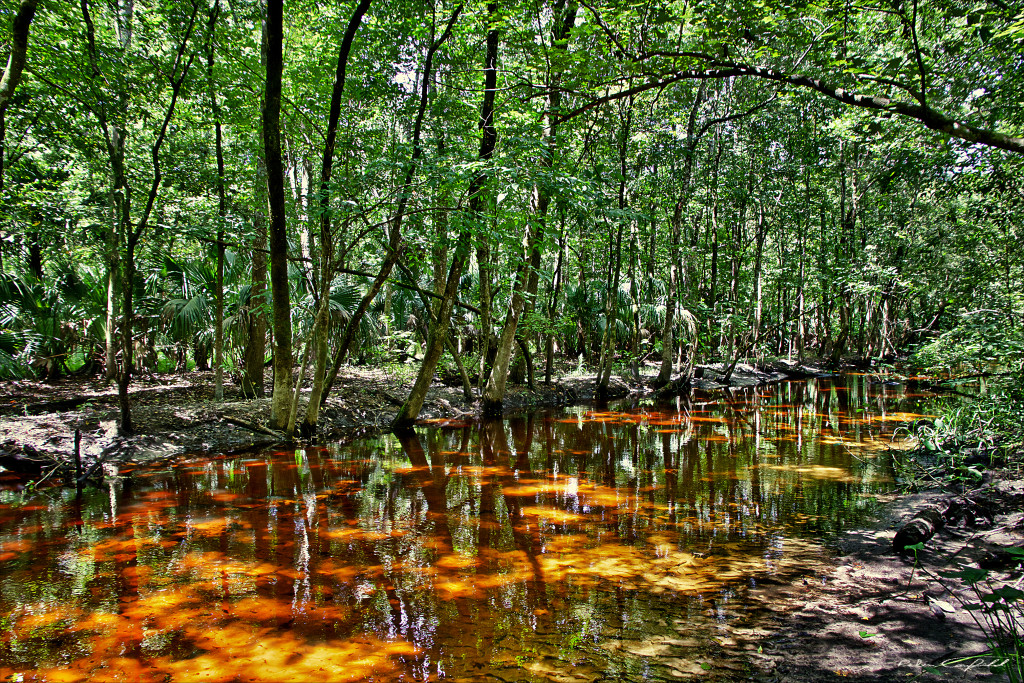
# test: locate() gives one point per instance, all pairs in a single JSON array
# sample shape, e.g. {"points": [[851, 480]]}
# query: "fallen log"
{"points": [[919, 529], [253, 427], [23, 464], [794, 370]]}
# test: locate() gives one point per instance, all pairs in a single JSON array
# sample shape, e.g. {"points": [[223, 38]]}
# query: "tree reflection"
{"points": [[603, 543]]}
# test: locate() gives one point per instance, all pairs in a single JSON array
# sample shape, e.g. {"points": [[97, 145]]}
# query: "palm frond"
{"points": [[688, 321]]}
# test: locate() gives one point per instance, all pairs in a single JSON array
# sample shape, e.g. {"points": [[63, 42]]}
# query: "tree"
{"points": [[282, 313], [768, 171], [129, 228], [477, 201], [524, 289], [15, 65], [327, 265]]}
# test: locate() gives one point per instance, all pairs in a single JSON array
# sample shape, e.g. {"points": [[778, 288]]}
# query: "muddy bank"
{"points": [[177, 414], [873, 615]]}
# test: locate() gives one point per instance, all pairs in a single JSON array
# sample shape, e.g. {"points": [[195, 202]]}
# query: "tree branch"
{"points": [[927, 116], [19, 46]]}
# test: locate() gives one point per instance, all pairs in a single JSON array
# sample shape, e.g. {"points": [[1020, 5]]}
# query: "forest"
{"points": [[495, 191], [245, 245]]}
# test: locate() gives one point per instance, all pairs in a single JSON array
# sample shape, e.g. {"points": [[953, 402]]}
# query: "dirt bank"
{"points": [[177, 414], [872, 615]]}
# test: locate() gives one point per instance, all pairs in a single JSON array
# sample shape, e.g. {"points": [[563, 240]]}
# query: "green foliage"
{"points": [[969, 434], [998, 610], [766, 198], [979, 340], [43, 323]]}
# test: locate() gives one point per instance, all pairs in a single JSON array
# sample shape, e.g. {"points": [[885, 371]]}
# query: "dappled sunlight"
{"points": [[815, 471], [272, 657], [554, 516], [445, 423], [908, 443], [682, 420], [551, 549], [869, 448], [353, 534], [898, 417], [530, 489]]}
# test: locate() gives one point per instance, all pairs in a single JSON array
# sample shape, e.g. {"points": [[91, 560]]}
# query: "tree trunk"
{"points": [[477, 201], [634, 295], [109, 341], [127, 234], [494, 391], [433, 309], [281, 303], [549, 346], [563, 21], [847, 218], [675, 245], [758, 275], [608, 339], [218, 343], [321, 325], [604, 370], [124, 375], [800, 331], [394, 245], [671, 301], [440, 246], [525, 288], [483, 263], [134, 234], [120, 200], [256, 319], [16, 60]]}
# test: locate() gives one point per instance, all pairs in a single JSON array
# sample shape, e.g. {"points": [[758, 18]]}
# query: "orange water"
{"points": [[612, 544]]}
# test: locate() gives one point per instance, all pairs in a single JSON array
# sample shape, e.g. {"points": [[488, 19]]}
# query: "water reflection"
{"points": [[623, 543]]}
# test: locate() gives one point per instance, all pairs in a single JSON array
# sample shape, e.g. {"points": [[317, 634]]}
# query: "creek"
{"points": [[628, 542]]}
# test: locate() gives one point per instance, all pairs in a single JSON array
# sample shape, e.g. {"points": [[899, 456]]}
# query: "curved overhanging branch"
{"points": [[926, 115], [931, 118]]}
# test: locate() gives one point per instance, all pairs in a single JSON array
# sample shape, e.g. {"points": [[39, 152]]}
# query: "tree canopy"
{"points": [[486, 189]]}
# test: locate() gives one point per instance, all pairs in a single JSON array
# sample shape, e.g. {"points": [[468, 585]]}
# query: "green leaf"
{"points": [[865, 634], [968, 575], [1008, 593]]}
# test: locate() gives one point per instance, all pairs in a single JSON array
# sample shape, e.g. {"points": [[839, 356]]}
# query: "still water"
{"points": [[628, 543]]}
